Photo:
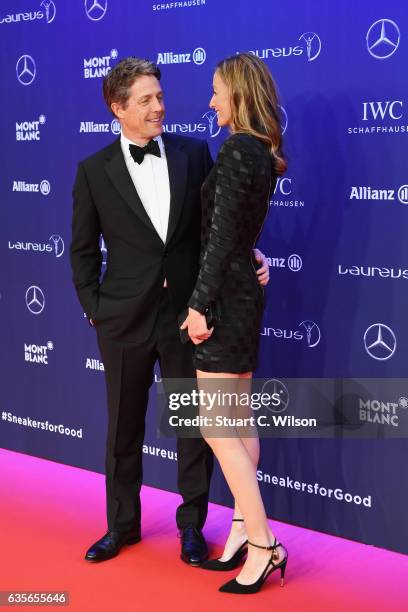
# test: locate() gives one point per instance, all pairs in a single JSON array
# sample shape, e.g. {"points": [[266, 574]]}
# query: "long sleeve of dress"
{"points": [[234, 175]]}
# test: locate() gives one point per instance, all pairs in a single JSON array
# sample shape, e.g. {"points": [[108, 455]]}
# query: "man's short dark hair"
{"points": [[120, 79]]}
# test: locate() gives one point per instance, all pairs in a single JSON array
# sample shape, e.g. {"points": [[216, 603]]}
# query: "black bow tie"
{"points": [[138, 153]]}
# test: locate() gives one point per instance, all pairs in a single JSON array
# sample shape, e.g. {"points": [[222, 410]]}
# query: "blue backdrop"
{"points": [[335, 234]]}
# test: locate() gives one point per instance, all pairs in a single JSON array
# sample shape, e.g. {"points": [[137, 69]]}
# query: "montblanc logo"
{"points": [[381, 117], [372, 272], [198, 56], [90, 127], [310, 47], [55, 246], [371, 193], [282, 195], [293, 262], [47, 11], [209, 126], [43, 187], [38, 353], [310, 333], [29, 130], [94, 364], [98, 67], [382, 413]]}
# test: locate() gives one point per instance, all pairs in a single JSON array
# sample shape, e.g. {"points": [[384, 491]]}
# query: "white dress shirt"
{"points": [[151, 181]]}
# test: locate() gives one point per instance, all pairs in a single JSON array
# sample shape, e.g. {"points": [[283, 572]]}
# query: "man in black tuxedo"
{"points": [[142, 193]]}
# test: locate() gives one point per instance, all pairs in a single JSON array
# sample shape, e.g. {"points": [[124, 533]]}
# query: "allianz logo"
{"points": [[372, 272], [97, 67], [55, 245], [369, 193], [198, 56], [90, 127], [94, 364], [293, 262], [21, 186], [36, 353]]}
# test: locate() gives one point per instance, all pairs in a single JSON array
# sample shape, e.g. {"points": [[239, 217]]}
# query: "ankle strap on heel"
{"points": [[274, 546], [237, 520]]}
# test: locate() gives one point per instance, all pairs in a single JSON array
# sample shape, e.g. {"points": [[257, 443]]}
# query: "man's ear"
{"points": [[117, 110]]}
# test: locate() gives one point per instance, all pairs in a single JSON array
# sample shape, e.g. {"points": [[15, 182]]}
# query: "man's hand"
{"points": [[263, 271], [197, 327]]}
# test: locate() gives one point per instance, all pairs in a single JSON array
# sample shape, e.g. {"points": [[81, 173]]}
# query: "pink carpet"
{"points": [[51, 513]]}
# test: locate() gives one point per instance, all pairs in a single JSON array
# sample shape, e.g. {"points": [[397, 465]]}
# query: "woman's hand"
{"points": [[197, 326], [263, 271]]}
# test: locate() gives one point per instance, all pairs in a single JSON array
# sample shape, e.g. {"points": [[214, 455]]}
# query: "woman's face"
{"points": [[221, 102]]}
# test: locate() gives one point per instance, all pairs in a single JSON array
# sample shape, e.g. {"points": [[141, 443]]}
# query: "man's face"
{"points": [[142, 119]]}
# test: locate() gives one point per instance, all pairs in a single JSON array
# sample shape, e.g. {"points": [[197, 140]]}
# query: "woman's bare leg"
{"points": [[239, 470]]}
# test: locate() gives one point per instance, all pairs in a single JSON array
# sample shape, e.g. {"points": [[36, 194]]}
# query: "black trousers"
{"points": [[129, 371]]}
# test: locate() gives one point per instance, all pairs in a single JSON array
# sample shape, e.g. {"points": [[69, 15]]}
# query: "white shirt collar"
{"points": [[125, 142]]}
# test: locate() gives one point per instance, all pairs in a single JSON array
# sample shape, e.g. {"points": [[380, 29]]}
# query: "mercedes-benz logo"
{"points": [[50, 10], [274, 385], [284, 119], [380, 341], [25, 70], [58, 244], [383, 38], [35, 300], [313, 334], [211, 117], [96, 9], [313, 45]]}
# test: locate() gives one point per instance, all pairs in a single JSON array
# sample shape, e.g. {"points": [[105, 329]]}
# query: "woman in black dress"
{"points": [[235, 200]]}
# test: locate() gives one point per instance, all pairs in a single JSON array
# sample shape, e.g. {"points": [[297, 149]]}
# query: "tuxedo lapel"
{"points": [[118, 173], [177, 166]]}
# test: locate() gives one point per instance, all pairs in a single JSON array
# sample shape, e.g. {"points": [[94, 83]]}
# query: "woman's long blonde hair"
{"points": [[254, 101]]}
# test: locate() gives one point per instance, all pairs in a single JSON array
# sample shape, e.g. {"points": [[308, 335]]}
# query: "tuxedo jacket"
{"points": [[123, 303]]}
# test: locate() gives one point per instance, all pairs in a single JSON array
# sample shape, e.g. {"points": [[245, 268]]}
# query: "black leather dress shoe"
{"points": [[194, 549], [110, 544]]}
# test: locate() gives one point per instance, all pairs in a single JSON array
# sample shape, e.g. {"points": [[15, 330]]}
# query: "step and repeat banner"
{"points": [[335, 235]]}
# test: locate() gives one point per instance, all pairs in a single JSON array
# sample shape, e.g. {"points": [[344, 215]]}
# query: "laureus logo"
{"points": [[213, 128], [313, 45]]}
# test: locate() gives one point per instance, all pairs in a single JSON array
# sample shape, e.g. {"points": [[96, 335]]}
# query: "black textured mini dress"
{"points": [[235, 201]]}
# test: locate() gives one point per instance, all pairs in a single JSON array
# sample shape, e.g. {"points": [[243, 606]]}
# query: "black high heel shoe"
{"points": [[244, 589], [224, 566]]}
